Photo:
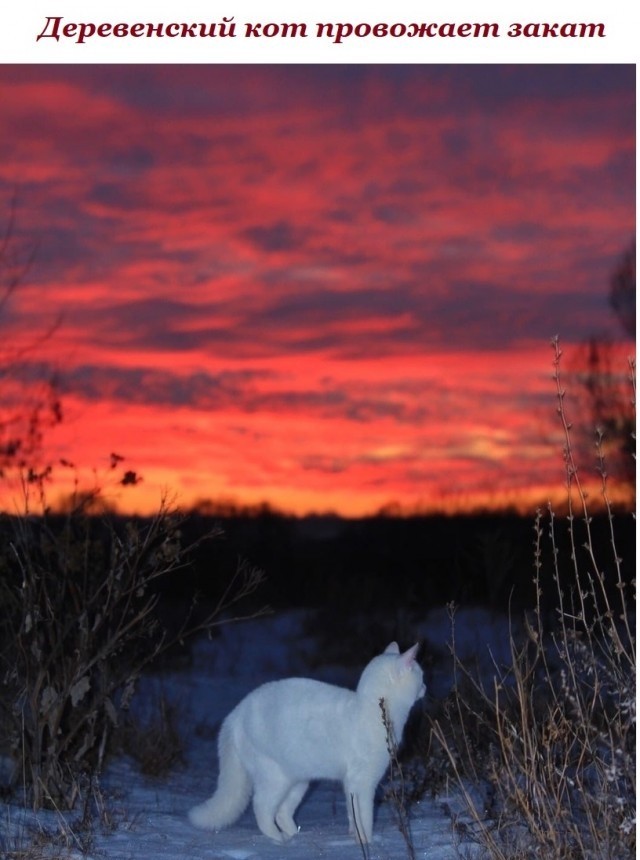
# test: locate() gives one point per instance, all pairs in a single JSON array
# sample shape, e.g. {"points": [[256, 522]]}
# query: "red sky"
{"points": [[325, 287]]}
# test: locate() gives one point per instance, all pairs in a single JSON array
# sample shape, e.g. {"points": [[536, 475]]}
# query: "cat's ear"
{"points": [[392, 648], [409, 656]]}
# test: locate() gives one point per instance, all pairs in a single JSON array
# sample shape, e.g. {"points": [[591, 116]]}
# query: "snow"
{"points": [[149, 816]]}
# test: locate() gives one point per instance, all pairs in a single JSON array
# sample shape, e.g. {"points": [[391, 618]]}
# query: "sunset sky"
{"points": [[324, 287]]}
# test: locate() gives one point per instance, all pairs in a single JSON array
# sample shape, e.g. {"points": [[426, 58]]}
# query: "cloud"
{"points": [[155, 387], [281, 236]]}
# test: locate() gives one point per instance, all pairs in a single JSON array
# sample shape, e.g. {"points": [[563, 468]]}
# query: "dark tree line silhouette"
{"points": [[606, 393]]}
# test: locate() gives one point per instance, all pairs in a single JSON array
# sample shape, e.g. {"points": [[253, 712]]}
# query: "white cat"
{"points": [[286, 733]]}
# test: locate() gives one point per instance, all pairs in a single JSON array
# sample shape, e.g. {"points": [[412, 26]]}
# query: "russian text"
{"points": [[54, 29], [337, 32], [553, 31]]}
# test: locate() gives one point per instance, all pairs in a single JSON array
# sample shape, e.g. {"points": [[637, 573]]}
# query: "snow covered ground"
{"points": [[149, 815]]}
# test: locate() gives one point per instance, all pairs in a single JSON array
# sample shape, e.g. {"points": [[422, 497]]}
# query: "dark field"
{"points": [[383, 564]]}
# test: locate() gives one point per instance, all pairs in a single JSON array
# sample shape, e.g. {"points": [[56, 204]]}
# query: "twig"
{"points": [[363, 845]]}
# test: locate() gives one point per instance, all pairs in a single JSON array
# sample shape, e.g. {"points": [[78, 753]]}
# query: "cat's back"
{"points": [[294, 707], [297, 694]]}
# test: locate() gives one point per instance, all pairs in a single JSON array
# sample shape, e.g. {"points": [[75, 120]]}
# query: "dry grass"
{"points": [[551, 744], [155, 744], [79, 625]]}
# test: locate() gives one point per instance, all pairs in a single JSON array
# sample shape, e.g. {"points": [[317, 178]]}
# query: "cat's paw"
{"points": [[279, 837], [287, 827]]}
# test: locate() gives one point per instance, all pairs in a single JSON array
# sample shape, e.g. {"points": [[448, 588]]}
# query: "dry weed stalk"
{"points": [[396, 788], [364, 846]]}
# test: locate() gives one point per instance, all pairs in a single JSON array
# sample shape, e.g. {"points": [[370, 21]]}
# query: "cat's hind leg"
{"points": [[284, 815], [269, 793]]}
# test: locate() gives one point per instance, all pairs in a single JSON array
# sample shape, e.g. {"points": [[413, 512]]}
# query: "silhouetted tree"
{"points": [[622, 295], [607, 395], [29, 399]]}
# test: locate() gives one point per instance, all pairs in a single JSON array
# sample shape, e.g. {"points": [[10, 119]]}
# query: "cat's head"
{"points": [[393, 675]]}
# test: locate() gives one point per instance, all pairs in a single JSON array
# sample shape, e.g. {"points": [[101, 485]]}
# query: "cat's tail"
{"points": [[233, 792]]}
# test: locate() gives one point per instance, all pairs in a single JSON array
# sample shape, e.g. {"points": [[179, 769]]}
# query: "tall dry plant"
{"points": [[78, 626], [551, 743]]}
